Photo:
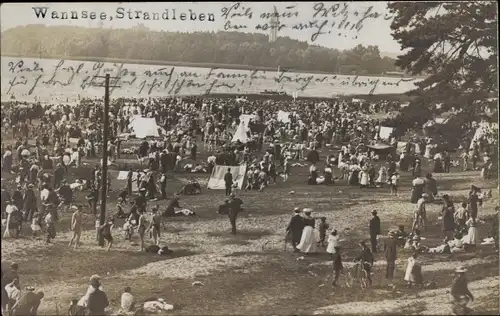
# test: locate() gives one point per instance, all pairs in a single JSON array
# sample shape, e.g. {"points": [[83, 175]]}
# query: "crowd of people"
{"points": [[51, 142]]}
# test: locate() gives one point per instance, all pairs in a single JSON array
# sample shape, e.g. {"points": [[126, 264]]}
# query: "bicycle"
{"points": [[358, 272]]}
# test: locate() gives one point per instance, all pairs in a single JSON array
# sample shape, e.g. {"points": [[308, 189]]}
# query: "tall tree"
{"points": [[455, 45]]}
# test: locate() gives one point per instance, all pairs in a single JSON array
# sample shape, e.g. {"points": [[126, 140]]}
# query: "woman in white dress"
{"points": [[308, 240], [473, 236], [333, 241], [413, 274], [382, 176], [364, 178]]}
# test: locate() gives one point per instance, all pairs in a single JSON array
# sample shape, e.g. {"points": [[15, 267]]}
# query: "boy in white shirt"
{"points": [[394, 183]]}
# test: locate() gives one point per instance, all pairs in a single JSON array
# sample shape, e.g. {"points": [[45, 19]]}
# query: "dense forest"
{"points": [[201, 47]]}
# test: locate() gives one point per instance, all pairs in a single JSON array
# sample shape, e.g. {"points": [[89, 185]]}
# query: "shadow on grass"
{"points": [[56, 264], [234, 242], [244, 234]]}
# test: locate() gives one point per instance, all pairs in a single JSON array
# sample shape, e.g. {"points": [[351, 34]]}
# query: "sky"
{"points": [[375, 31]]}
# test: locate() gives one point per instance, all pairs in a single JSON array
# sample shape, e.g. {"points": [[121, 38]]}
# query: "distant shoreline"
{"points": [[185, 64]]}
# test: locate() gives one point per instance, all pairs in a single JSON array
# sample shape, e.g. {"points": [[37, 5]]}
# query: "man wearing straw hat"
{"points": [[459, 289]]}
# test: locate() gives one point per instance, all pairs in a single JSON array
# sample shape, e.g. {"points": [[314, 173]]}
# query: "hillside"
{"points": [[233, 48]]}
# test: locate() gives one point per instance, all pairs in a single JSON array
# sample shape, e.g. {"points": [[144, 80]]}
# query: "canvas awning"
{"points": [[379, 146]]}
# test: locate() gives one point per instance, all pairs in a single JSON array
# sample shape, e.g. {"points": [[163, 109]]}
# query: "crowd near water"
{"points": [[45, 145]]}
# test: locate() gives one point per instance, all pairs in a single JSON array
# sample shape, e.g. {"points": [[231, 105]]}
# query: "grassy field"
{"points": [[252, 273]]}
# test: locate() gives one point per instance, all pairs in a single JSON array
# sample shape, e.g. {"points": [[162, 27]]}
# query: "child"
{"points": [[333, 242], [36, 223], [413, 273], [461, 216], [394, 183], [337, 265], [106, 232], [51, 227], [323, 226]]}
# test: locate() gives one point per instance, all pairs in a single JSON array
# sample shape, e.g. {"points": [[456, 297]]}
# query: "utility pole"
{"points": [[104, 183]]}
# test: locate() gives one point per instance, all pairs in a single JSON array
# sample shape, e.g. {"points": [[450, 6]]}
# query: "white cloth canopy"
{"points": [[241, 133], [143, 127]]}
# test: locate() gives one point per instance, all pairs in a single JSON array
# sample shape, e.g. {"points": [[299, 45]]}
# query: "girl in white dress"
{"points": [[472, 236], [382, 176], [333, 241], [364, 178], [413, 274], [35, 223]]}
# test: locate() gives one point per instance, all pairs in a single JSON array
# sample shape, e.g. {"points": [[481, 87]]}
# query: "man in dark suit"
{"points": [[234, 207], [390, 251], [374, 230], [295, 227], [228, 179], [337, 266]]}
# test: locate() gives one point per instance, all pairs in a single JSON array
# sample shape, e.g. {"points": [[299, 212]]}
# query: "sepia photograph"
{"points": [[249, 158]]}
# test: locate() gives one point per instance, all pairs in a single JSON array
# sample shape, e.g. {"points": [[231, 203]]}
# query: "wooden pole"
{"points": [[104, 184]]}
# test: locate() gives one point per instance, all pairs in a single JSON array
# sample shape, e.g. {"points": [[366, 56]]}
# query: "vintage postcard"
{"points": [[249, 158]]}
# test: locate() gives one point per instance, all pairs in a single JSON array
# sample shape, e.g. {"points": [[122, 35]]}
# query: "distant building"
{"points": [[273, 26]]}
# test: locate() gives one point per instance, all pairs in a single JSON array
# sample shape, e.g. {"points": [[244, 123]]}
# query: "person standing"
{"points": [[337, 265], [333, 242], [76, 227], [295, 227], [323, 226], [50, 227], [141, 228], [193, 150], [374, 230], [420, 213], [163, 186], [472, 236], [448, 214], [474, 201], [413, 274], [459, 289], [155, 225], [105, 231], [234, 208], [394, 183], [390, 251], [130, 176], [228, 180], [461, 216], [307, 243], [29, 203], [494, 228]]}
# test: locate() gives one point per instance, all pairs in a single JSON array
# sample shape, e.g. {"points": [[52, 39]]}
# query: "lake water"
{"points": [[53, 79]]}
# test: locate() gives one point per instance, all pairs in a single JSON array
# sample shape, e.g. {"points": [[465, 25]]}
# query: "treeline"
{"points": [[200, 47]]}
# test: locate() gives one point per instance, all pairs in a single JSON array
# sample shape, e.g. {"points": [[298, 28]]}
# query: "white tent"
{"points": [[245, 118], [216, 181], [436, 121], [143, 127], [385, 132], [283, 116], [241, 133]]}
